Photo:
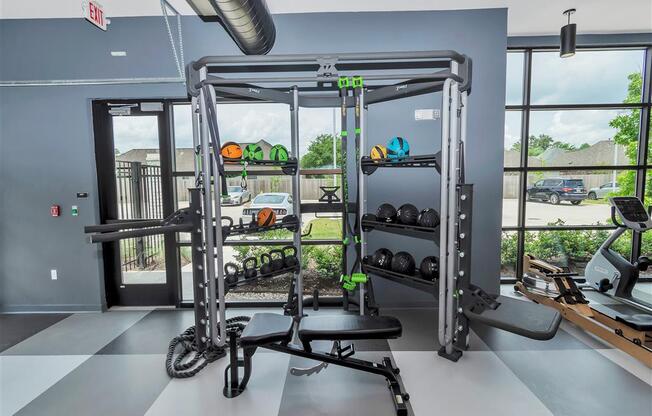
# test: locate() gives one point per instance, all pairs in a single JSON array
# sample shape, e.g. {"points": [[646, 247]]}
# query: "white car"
{"points": [[237, 196], [603, 191], [280, 202]]}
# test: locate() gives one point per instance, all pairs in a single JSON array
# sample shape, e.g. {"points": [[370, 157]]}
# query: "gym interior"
{"points": [[281, 207]]}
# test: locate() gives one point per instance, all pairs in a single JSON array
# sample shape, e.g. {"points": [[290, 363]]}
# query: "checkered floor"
{"points": [[113, 364]]}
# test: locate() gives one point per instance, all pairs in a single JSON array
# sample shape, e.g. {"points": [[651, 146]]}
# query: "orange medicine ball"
{"points": [[266, 217], [231, 150]]}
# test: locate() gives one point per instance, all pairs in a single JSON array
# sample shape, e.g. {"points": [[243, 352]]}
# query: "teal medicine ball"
{"points": [[398, 148]]}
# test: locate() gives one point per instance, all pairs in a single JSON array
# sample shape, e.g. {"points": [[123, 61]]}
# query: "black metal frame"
{"points": [[116, 292], [526, 108]]}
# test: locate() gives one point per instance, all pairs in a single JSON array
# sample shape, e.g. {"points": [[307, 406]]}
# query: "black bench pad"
{"points": [[640, 321], [524, 318], [348, 327], [265, 328]]}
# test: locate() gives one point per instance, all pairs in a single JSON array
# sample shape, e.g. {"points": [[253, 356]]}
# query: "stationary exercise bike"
{"points": [[608, 271]]}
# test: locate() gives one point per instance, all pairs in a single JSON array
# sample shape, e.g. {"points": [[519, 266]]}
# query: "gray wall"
{"points": [[46, 143]]}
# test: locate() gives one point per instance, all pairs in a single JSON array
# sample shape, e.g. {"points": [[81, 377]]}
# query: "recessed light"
{"points": [[118, 53]]}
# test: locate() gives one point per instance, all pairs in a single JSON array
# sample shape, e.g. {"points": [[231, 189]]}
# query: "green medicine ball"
{"points": [[252, 152], [279, 153]]}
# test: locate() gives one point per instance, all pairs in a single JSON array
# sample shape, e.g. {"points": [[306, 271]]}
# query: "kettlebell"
{"points": [[277, 261], [249, 265], [265, 264], [226, 229], [290, 259], [231, 272]]}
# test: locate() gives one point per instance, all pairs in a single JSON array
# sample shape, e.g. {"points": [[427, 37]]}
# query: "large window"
{"points": [[268, 124], [576, 132]]}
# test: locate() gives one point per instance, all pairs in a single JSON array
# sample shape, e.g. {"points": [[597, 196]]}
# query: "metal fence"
{"points": [[139, 196]]}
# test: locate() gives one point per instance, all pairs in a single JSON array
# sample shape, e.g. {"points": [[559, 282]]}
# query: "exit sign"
{"points": [[94, 13]]}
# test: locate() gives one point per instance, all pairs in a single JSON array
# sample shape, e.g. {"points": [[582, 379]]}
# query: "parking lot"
{"points": [[543, 213]]}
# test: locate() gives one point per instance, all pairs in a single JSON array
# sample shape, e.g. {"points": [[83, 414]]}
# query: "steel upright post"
{"points": [[296, 193]]}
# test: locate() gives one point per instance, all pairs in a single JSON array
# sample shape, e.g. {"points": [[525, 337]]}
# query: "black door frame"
{"points": [[116, 292]]}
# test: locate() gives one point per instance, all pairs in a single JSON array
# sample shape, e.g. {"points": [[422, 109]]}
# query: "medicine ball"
{"points": [[252, 152], [382, 258], [231, 150], [266, 217], [403, 263], [378, 152], [386, 212], [397, 148], [279, 153], [407, 214], [429, 268], [428, 218]]}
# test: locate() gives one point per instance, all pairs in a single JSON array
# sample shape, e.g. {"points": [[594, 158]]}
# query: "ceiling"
{"points": [[526, 17]]}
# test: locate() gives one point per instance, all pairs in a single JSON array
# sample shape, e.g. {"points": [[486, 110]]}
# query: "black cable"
{"points": [[181, 367]]}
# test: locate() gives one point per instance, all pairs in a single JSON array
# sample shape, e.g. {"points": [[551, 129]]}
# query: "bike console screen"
{"points": [[631, 210]]}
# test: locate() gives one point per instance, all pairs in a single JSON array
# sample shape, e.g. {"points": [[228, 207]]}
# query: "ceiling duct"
{"points": [[248, 22]]}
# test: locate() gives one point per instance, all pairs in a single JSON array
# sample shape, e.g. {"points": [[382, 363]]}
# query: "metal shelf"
{"points": [[243, 282], [370, 165], [288, 167], [415, 231], [290, 222], [415, 281]]}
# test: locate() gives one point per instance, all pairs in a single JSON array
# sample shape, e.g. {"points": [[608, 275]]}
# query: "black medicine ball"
{"points": [[403, 263], [382, 258], [407, 214], [428, 218], [429, 268], [386, 213]]}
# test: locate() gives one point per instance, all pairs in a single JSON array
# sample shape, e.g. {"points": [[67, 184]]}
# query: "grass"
{"points": [[325, 228]]}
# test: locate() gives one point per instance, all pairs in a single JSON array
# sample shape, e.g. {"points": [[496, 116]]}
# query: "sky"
{"points": [[237, 122], [587, 77]]}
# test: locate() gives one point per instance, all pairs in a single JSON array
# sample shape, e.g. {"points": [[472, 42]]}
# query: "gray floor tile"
{"points": [[478, 384], [23, 378], [105, 385], [420, 331], [17, 327], [624, 360], [79, 334], [337, 391], [580, 382], [202, 394]]}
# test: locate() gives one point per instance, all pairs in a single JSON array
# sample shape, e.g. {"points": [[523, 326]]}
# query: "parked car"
{"points": [[280, 202], [604, 191], [237, 196], [556, 190]]}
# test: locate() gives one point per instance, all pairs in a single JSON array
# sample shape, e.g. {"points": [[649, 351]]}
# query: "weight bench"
{"points": [[274, 332]]}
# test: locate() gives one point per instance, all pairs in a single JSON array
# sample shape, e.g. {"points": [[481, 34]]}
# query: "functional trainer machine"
{"points": [[612, 314], [322, 81]]}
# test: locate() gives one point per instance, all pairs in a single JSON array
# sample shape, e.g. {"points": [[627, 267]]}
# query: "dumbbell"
{"points": [[278, 261], [231, 272], [290, 259], [249, 265], [265, 264]]}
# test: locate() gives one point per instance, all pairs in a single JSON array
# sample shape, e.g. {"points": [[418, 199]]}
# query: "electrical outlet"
{"points": [[53, 274]]}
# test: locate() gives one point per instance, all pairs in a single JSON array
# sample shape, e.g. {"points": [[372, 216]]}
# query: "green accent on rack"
{"points": [[359, 278], [357, 239], [344, 133], [358, 130], [346, 241], [357, 82], [343, 82]]}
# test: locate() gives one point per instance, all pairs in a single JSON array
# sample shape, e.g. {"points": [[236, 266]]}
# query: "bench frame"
{"points": [[234, 385]]}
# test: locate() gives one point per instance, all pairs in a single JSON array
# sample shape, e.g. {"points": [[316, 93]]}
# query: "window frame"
{"points": [[526, 109]]}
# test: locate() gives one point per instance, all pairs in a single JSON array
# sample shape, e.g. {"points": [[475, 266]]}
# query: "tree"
{"points": [[542, 142], [117, 151], [320, 152], [627, 135]]}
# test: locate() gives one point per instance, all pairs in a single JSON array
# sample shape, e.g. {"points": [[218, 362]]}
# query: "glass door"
{"points": [[133, 167]]}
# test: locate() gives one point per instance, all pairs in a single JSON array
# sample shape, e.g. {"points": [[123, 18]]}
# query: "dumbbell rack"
{"points": [[387, 76]]}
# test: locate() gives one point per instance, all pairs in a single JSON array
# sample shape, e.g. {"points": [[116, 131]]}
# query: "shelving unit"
{"points": [[311, 81]]}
